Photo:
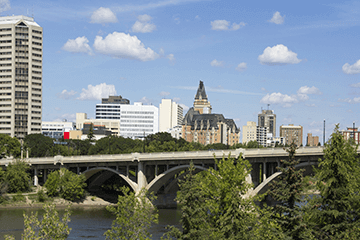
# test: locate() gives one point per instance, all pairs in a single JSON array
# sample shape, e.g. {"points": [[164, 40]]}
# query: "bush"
{"points": [[18, 198], [41, 197], [66, 184], [17, 177]]}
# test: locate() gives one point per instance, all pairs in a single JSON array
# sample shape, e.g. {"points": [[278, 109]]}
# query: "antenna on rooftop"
{"points": [[268, 106]]}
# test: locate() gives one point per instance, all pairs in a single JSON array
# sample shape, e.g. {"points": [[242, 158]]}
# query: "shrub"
{"points": [[41, 197]]}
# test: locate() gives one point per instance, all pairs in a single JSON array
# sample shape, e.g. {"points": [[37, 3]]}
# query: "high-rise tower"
{"points": [[267, 119], [20, 76], [201, 102]]}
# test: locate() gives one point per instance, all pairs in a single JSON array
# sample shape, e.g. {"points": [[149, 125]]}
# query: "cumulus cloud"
{"points": [[103, 15], [223, 25], [65, 94], [171, 57], [216, 63], [121, 45], [278, 55], [143, 24], [78, 45], [355, 85], [145, 101], [351, 69], [185, 108], [241, 67], [349, 100], [4, 5], [97, 92], [277, 18], [287, 100]]}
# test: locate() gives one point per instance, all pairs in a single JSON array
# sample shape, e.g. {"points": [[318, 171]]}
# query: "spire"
{"points": [[201, 94]]}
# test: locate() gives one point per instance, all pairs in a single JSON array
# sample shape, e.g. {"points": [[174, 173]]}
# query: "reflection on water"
{"points": [[86, 223]]}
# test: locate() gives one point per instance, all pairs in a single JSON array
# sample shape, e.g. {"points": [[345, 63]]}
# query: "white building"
{"points": [[21, 76], [56, 130], [111, 124], [138, 120], [171, 115], [261, 135], [249, 132]]}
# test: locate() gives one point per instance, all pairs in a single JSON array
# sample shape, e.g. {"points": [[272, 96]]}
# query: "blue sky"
{"points": [[302, 58]]}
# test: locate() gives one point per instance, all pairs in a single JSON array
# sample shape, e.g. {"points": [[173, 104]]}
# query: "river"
{"points": [[86, 223]]}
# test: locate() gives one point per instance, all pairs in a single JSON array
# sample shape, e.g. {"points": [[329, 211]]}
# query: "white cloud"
{"points": [[277, 18], [216, 63], [349, 100], [279, 98], [163, 93], [351, 69], [65, 94], [309, 90], [145, 101], [241, 67], [143, 24], [78, 45], [121, 45], [70, 117], [171, 57], [288, 100], [4, 5], [197, 17], [97, 92], [103, 15], [176, 99], [278, 55], [355, 85], [223, 25]]}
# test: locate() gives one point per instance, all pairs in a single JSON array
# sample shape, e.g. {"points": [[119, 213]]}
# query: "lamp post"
{"points": [[354, 131]]}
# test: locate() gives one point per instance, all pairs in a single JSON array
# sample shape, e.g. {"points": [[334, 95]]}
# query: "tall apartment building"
{"points": [[249, 132], [20, 76], [267, 119], [262, 135], [171, 114], [312, 140], [291, 134]]}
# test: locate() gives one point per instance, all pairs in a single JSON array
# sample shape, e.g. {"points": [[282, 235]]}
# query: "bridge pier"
{"points": [[36, 180], [141, 178]]}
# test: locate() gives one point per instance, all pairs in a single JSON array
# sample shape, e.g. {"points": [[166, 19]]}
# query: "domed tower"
{"points": [[201, 102]]}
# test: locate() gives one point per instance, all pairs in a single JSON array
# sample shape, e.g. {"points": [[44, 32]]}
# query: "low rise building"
{"points": [[57, 130], [291, 134], [351, 133], [312, 140]]}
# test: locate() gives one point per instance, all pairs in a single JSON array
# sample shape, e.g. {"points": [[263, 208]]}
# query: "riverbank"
{"points": [[88, 202]]}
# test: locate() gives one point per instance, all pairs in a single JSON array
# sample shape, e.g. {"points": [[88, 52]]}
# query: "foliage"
{"points": [[39, 145], [134, 216], [41, 197], [9, 146], [214, 205], [288, 191], [66, 184], [18, 198], [90, 135], [50, 227], [250, 144], [17, 177], [335, 213]]}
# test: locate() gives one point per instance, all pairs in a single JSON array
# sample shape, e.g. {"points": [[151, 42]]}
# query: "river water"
{"points": [[86, 223]]}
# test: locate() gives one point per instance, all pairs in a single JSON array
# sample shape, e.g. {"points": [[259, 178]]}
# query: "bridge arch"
{"points": [[100, 179], [162, 178]]}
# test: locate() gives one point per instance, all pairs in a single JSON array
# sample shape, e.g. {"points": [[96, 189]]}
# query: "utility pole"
{"points": [[324, 134], [354, 131]]}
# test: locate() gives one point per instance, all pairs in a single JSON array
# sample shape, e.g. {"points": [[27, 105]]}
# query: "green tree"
{"points": [[134, 216], [214, 205], [17, 176], [66, 184], [287, 190], [90, 135], [335, 212], [39, 145], [50, 227], [9, 146]]}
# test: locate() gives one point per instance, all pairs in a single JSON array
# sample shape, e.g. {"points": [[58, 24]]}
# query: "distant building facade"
{"points": [[267, 119], [312, 140], [351, 133], [291, 134], [249, 132], [171, 114], [112, 125], [115, 100], [261, 135], [57, 130], [201, 126]]}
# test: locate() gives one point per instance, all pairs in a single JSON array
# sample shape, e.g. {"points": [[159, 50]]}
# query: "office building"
{"points": [[267, 119], [112, 125], [249, 132], [312, 140], [202, 126], [171, 114], [115, 100], [57, 130], [291, 134], [351, 133], [20, 76], [261, 135]]}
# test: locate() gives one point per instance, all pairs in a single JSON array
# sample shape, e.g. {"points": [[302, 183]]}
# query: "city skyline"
{"points": [[301, 58]]}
